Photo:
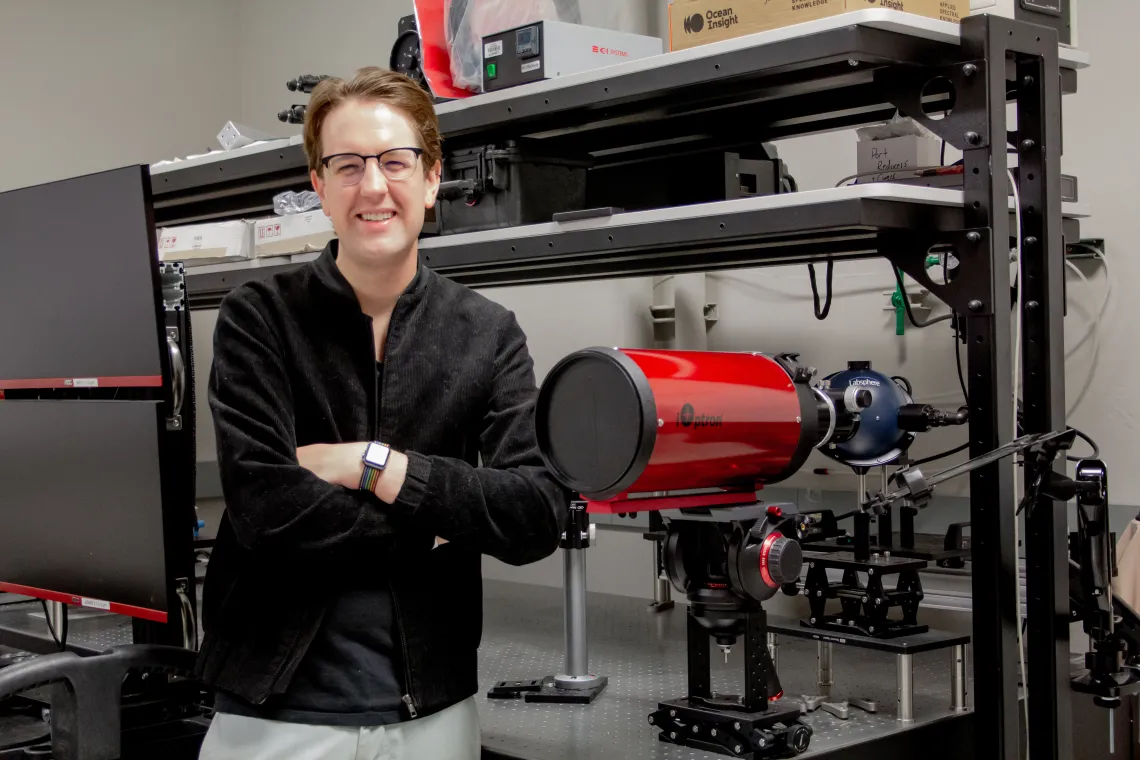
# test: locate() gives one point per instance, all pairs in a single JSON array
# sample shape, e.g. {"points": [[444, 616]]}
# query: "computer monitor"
{"points": [[81, 505], [80, 302]]}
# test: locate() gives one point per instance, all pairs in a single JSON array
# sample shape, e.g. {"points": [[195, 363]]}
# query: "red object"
{"points": [[613, 422], [765, 548], [142, 381], [434, 52], [775, 512], [78, 601], [730, 497]]}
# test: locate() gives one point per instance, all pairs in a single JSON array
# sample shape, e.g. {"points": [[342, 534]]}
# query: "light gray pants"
{"points": [[451, 734]]}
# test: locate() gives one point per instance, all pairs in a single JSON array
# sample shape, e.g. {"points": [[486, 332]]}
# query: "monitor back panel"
{"points": [[78, 284], [81, 516]]}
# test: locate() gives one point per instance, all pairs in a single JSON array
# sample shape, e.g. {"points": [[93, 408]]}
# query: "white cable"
{"points": [[1016, 474]]}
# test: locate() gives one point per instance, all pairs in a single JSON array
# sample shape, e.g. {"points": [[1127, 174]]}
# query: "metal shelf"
{"points": [[797, 80], [850, 222]]}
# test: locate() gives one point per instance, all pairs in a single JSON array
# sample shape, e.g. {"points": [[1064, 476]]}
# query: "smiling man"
{"points": [[353, 400]]}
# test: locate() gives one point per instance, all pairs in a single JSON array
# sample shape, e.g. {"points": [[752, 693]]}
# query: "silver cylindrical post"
{"points": [[823, 656], [576, 657], [905, 675], [56, 614], [577, 660], [958, 678], [662, 590], [862, 473], [774, 650]]}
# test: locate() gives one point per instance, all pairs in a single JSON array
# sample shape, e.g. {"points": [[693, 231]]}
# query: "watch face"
{"points": [[377, 455]]}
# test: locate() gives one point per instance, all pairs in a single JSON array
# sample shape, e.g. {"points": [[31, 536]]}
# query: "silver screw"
{"points": [[870, 571], [713, 732], [762, 743], [871, 629], [864, 600], [969, 69], [736, 725], [695, 729], [651, 720], [737, 749], [813, 621], [973, 138], [672, 734], [672, 713], [973, 237], [852, 63]]}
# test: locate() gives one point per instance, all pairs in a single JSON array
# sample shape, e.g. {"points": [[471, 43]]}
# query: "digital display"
{"points": [[526, 42]]}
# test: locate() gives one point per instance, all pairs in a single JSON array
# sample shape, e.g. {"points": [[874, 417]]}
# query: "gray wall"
{"points": [[90, 85]]}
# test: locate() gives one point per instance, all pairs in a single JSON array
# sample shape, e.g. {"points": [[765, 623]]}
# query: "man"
{"points": [[352, 399]]}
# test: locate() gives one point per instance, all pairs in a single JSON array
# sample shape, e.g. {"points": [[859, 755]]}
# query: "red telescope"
{"points": [[613, 422]]}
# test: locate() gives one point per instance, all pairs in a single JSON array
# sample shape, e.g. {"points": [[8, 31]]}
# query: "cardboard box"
{"points": [[895, 157], [206, 243], [292, 233], [699, 22]]}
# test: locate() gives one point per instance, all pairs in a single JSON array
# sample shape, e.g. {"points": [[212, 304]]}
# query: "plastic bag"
{"points": [[468, 21], [291, 202]]}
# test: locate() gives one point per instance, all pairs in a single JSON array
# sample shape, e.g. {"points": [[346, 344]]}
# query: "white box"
{"points": [[896, 157], [292, 233], [549, 49], [206, 243]]}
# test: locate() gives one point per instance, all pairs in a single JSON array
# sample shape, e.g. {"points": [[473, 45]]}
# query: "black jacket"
{"points": [[294, 365]]}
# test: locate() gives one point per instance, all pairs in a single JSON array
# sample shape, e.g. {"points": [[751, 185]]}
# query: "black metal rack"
{"points": [[731, 94]]}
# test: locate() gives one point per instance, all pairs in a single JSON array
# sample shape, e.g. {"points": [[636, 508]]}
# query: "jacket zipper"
{"points": [[378, 386]]}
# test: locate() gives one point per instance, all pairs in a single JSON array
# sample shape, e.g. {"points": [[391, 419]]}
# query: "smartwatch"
{"points": [[375, 460]]}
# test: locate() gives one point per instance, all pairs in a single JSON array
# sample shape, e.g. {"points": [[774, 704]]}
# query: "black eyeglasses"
{"points": [[396, 164]]}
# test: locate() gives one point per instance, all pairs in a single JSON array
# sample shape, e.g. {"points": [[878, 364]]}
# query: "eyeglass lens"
{"points": [[395, 164]]}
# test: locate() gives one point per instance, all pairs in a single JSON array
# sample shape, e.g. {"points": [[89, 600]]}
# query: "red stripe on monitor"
{"points": [[55, 596], [128, 381]]}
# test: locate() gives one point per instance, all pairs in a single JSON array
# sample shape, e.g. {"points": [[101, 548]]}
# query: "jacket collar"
{"points": [[334, 283]]}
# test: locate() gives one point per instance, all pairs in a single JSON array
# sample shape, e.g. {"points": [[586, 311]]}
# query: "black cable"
{"points": [[1095, 449], [943, 455], [821, 315], [51, 628], [942, 154], [906, 303], [904, 383], [958, 332]]}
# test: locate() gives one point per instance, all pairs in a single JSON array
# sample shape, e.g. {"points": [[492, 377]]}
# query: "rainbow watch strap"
{"points": [[369, 478]]}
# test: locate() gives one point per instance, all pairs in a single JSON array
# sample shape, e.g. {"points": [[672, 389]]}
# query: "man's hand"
{"points": [[341, 465]]}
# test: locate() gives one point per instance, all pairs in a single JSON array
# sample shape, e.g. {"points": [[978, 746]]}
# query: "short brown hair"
{"points": [[373, 83]]}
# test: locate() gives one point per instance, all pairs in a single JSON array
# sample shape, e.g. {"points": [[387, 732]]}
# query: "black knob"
{"points": [[783, 560], [799, 736]]}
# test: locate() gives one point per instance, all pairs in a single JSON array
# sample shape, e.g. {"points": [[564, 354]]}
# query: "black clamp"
{"points": [[577, 535]]}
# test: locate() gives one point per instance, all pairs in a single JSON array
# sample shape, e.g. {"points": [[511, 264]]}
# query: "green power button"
{"points": [[491, 71]]}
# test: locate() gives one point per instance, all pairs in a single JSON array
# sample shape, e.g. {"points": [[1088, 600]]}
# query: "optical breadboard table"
{"points": [[644, 657]]}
